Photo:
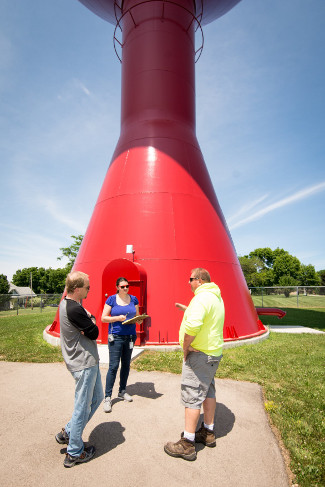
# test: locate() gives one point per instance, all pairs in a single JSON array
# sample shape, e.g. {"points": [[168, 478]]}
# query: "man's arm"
{"points": [[181, 306], [80, 318], [187, 345]]}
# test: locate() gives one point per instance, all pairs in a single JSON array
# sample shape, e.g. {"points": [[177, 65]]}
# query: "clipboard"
{"points": [[135, 319]]}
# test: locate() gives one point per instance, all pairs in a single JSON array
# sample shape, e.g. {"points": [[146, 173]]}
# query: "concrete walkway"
{"points": [[294, 329], [37, 399], [104, 354]]}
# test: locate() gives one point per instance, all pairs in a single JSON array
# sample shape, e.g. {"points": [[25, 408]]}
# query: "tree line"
{"points": [[45, 281], [262, 267]]}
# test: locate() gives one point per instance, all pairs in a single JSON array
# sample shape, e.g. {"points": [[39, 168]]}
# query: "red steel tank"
{"points": [[157, 216]]}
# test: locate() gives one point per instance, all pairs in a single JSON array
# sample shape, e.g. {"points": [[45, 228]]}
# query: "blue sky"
{"points": [[260, 123]]}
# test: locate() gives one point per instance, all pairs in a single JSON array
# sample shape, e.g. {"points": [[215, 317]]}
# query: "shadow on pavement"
{"points": [[143, 389], [224, 420], [106, 436]]}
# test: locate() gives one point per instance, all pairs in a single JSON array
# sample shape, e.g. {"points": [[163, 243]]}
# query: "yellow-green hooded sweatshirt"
{"points": [[204, 319]]}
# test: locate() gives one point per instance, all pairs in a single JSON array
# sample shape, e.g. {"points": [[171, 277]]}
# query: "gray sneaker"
{"points": [[62, 437], [107, 404], [124, 395], [86, 455]]}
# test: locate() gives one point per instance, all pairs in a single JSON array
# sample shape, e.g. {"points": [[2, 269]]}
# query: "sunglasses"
{"points": [[194, 279], [125, 287]]}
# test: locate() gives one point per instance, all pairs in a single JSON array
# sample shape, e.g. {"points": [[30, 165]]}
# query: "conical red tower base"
{"points": [[157, 194]]}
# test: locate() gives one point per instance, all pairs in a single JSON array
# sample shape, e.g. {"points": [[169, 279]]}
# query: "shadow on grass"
{"points": [[313, 318]]}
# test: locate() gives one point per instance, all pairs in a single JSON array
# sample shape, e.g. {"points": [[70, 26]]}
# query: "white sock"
{"points": [[209, 426], [189, 436]]}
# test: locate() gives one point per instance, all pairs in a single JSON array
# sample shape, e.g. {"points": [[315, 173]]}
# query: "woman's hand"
{"points": [[121, 318]]}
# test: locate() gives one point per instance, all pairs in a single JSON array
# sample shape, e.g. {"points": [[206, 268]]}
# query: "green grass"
{"points": [[279, 301], [21, 339], [290, 368], [27, 311]]}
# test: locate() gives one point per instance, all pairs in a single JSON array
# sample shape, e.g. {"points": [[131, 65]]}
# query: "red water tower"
{"points": [[157, 215]]}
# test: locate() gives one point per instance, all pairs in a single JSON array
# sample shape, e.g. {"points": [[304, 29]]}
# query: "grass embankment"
{"points": [[290, 368], [21, 339]]}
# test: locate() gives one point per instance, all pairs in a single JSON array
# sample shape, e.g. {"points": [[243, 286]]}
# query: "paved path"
{"points": [[36, 400], [294, 329]]}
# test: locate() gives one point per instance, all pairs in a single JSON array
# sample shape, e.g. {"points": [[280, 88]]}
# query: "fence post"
{"points": [[262, 298], [297, 296]]}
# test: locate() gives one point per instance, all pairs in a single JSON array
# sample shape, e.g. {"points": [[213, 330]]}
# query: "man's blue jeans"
{"points": [[88, 396], [119, 349]]}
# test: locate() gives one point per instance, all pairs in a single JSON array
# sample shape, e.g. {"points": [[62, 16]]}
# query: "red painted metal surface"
{"points": [[157, 194], [271, 312]]}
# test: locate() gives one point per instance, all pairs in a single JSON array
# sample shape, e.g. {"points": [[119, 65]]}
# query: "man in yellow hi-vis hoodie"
{"points": [[201, 337]]}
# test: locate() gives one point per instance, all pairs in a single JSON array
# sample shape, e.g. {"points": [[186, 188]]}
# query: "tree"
{"points": [[4, 284], [251, 267], [4, 289], [322, 277], [286, 281], [256, 273], [22, 278], [56, 280], [72, 251], [266, 255], [44, 281], [286, 265], [264, 267], [322, 280], [308, 276]]}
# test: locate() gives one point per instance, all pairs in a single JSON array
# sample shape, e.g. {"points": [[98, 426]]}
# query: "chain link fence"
{"points": [[11, 304], [289, 297], [267, 297]]}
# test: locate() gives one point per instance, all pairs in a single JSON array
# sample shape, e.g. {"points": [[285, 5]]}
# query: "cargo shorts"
{"points": [[198, 379]]}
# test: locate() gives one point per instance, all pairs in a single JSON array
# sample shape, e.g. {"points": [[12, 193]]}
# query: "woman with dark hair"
{"points": [[118, 308]]}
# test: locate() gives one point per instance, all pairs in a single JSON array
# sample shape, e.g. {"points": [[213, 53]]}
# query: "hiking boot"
{"points": [[86, 455], [205, 436], [62, 437], [183, 448], [107, 405], [124, 395]]}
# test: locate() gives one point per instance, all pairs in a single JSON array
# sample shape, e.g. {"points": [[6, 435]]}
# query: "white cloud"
{"points": [[246, 208], [61, 215], [304, 193], [83, 88]]}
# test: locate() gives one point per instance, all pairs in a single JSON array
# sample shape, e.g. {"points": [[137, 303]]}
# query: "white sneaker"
{"points": [[107, 405], [124, 395]]}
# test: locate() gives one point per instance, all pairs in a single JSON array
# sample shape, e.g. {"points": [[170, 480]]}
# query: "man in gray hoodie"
{"points": [[79, 349]]}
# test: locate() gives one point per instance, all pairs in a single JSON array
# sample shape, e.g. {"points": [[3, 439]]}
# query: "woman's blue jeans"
{"points": [[88, 396], [119, 350]]}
